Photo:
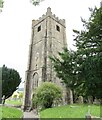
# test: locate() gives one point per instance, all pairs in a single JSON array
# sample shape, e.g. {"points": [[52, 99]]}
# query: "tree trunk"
{"points": [[3, 99]]}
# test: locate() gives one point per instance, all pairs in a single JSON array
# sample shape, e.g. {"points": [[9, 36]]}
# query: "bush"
{"points": [[47, 94], [20, 96]]}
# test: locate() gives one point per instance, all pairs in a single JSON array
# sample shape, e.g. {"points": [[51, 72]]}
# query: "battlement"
{"points": [[48, 14]]}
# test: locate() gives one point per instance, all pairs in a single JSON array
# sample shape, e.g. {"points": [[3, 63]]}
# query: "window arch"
{"points": [[35, 80], [57, 28], [39, 28]]}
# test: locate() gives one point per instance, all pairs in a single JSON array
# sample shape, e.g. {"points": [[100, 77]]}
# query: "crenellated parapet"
{"points": [[48, 14]]}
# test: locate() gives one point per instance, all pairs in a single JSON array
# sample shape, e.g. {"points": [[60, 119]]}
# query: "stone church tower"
{"points": [[48, 38]]}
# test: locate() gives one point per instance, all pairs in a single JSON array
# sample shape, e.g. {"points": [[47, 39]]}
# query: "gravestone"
{"points": [[90, 99], [96, 101], [80, 100]]}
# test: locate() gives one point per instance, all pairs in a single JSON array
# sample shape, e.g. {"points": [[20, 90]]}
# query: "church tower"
{"points": [[48, 38]]}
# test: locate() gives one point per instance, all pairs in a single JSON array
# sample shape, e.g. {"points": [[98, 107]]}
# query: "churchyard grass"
{"points": [[70, 111], [13, 102], [10, 112], [0, 112]]}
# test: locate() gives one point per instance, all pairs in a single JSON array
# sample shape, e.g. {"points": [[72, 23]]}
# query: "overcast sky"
{"points": [[15, 26]]}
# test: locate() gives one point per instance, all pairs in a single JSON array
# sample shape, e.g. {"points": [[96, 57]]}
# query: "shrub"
{"points": [[15, 97], [21, 96], [47, 94]]}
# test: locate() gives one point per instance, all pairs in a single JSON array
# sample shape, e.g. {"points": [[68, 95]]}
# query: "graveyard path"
{"points": [[31, 114]]}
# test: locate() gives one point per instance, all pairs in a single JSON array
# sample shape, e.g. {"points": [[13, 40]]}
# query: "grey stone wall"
{"points": [[48, 38]]}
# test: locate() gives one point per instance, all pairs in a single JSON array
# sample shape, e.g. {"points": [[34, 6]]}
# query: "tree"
{"points": [[81, 70], [20, 96], [89, 54], [47, 94], [1, 3], [65, 68], [36, 2], [0, 85], [15, 97], [10, 81]]}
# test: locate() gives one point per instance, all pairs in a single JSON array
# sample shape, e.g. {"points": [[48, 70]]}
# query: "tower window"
{"points": [[39, 28], [57, 28]]}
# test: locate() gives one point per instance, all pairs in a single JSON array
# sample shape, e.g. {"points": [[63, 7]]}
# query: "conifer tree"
{"points": [[89, 53]]}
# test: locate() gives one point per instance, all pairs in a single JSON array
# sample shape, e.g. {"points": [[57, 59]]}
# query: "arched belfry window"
{"points": [[35, 80], [39, 28], [57, 28]]}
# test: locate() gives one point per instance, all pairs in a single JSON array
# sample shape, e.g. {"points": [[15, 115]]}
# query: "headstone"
{"points": [[90, 99], [80, 99], [96, 101], [69, 97]]}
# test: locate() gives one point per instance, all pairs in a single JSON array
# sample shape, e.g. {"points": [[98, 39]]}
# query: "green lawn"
{"points": [[70, 111], [13, 102], [10, 112], [0, 112]]}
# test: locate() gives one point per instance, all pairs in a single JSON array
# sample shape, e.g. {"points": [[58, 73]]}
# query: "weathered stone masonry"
{"points": [[48, 38]]}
